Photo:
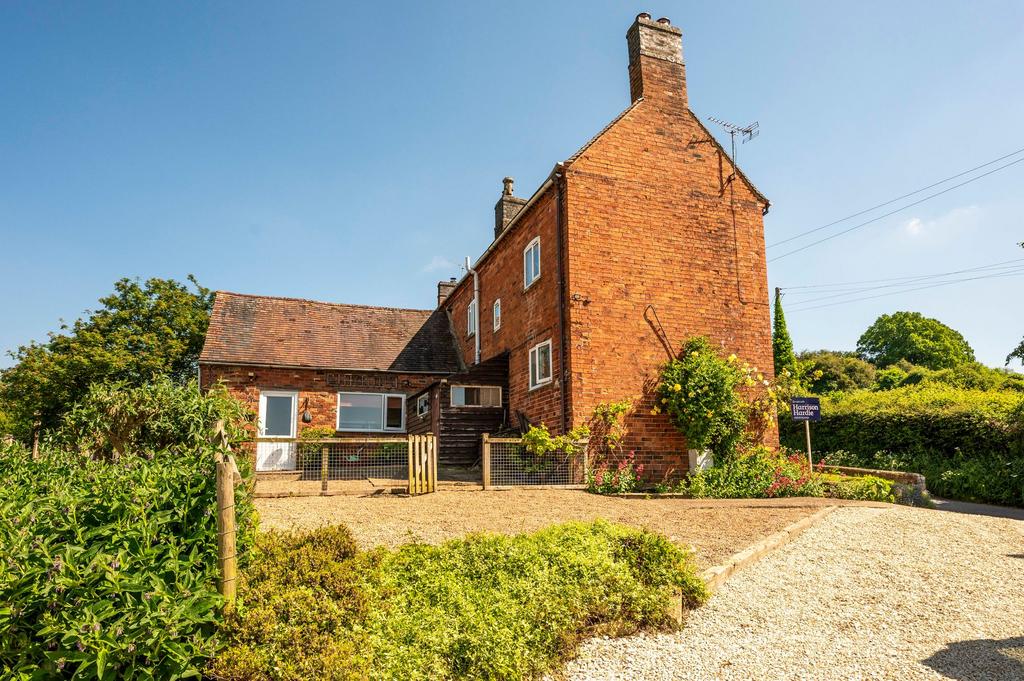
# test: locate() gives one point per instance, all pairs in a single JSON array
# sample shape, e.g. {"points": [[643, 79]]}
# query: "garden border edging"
{"points": [[715, 576]]}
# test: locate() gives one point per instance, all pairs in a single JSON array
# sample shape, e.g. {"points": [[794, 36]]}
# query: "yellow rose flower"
{"points": [[655, 411], [677, 387], [732, 358], [664, 400]]}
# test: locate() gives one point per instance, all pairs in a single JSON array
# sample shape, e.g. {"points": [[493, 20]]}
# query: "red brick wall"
{"points": [[527, 317], [649, 223], [320, 387]]}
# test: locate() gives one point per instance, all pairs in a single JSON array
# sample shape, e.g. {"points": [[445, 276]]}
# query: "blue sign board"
{"points": [[805, 408]]}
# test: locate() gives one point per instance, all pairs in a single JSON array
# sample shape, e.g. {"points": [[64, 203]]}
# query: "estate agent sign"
{"points": [[806, 409]]}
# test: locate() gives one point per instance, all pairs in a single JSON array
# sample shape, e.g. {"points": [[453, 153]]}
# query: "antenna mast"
{"points": [[746, 134]]}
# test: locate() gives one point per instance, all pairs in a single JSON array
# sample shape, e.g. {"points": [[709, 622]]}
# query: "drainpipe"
{"points": [[558, 175], [476, 306]]}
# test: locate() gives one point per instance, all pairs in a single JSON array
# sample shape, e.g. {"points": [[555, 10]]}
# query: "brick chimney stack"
{"points": [[444, 289], [656, 68], [506, 207]]}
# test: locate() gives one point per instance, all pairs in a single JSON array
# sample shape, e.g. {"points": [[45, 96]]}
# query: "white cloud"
{"points": [[439, 263], [955, 221]]}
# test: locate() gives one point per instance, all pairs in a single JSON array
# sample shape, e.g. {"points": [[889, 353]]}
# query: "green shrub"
{"points": [[755, 474], [114, 419], [488, 606], [109, 570], [827, 371], [863, 488], [968, 444]]}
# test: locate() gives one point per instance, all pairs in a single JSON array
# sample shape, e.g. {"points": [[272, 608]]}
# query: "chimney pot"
{"points": [[656, 68], [444, 289], [506, 207]]}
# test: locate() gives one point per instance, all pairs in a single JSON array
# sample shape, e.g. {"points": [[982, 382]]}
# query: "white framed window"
{"points": [[371, 412], [497, 314], [277, 413], [476, 396], [531, 263], [540, 364], [471, 318], [423, 405]]}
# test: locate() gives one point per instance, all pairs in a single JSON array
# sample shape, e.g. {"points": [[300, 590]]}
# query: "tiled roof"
{"points": [[290, 332]]}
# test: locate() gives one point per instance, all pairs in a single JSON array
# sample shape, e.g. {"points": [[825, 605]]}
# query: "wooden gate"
{"points": [[422, 464]]}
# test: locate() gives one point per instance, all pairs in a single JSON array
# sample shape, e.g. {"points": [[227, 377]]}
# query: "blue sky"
{"points": [[354, 152]]}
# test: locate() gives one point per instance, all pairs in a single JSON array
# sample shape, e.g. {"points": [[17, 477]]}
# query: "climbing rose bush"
{"points": [[701, 393]]}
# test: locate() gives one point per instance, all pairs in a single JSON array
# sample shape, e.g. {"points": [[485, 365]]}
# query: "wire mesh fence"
{"points": [[507, 463], [300, 467]]}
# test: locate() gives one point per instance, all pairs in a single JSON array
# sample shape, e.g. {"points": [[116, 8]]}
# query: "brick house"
{"points": [[645, 236]]}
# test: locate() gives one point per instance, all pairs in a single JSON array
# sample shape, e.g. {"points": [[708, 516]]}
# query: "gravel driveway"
{"points": [[865, 594]]}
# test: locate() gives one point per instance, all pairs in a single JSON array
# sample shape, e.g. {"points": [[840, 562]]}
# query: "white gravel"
{"points": [[865, 594]]}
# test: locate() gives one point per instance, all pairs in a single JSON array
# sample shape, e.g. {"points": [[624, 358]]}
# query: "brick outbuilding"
{"points": [[644, 237]]}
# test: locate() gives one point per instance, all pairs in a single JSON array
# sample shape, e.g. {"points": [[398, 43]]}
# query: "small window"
{"points": [[531, 263], [277, 413], [471, 318], [540, 364], [476, 396], [497, 314], [371, 412], [423, 405]]}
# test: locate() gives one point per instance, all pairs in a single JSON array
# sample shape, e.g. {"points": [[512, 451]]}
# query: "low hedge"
{"points": [[488, 606], [969, 444]]}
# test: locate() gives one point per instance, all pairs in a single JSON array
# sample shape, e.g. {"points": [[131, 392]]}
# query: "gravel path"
{"points": [[717, 528], [865, 594]]}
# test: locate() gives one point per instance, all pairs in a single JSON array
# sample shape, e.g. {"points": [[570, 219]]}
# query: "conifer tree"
{"points": [[782, 344]]}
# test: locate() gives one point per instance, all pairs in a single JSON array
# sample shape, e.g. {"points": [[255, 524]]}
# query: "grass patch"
{"points": [[487, 606]]}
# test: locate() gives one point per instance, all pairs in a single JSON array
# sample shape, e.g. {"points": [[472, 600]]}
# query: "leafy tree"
{"points": [[782, 344], [827, 371], [140, 331], [1017, 353], [915, 338]]}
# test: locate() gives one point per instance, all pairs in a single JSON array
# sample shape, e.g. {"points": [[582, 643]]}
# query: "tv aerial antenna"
{"points": [[746, 134]]}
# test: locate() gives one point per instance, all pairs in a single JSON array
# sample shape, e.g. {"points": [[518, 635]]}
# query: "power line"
{"points": [[876, 281], [919, 288], [898, 198], [853, 292], [893, 212], [900, 282]]}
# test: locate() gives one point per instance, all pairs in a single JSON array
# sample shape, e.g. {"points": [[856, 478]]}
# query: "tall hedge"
{"points": [[969, 444]]}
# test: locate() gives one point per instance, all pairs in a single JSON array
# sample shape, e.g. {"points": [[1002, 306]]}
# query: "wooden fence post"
{"points": [[487, 460], [433, 461], [324, 473], [226, 552]]}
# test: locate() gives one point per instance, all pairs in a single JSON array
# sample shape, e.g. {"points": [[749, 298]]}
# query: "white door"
{"points": [[277, 422]]}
